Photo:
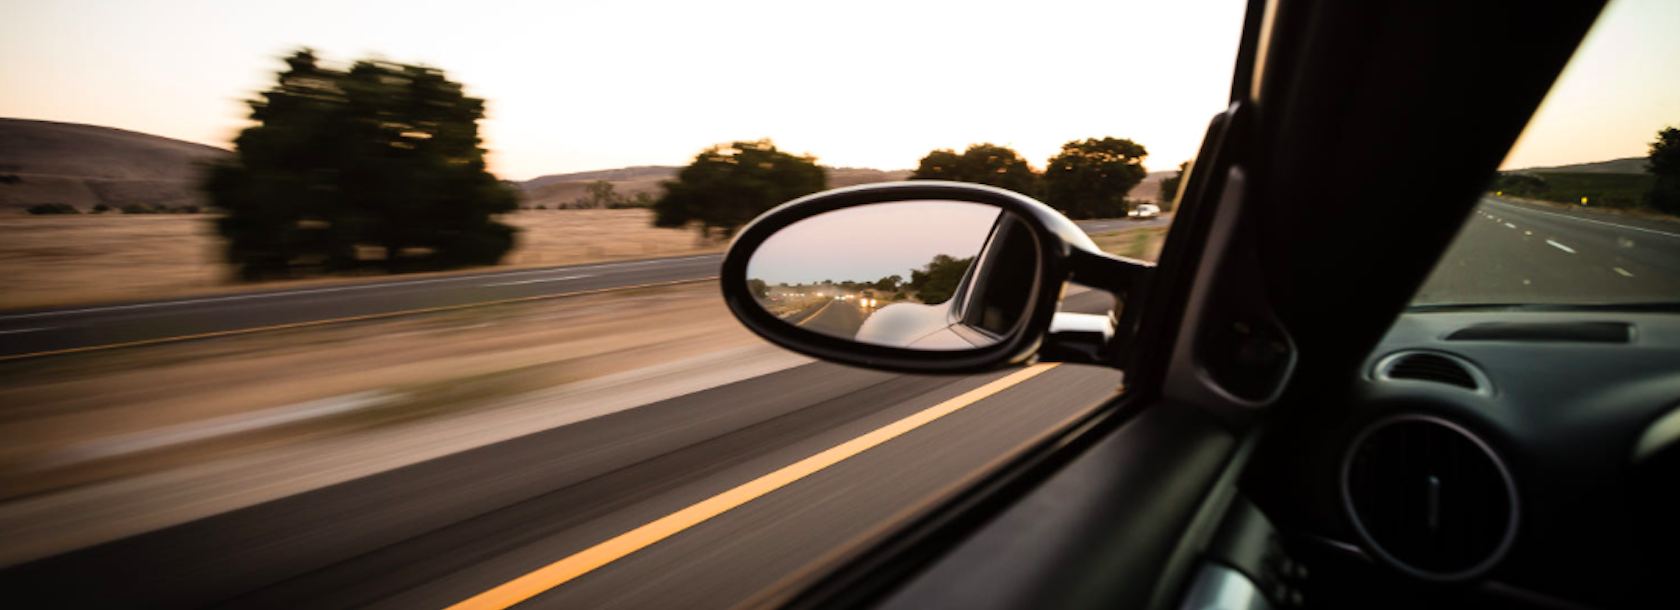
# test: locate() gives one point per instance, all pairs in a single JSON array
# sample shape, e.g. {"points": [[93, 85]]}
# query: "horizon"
{"points": [[548, 116]]}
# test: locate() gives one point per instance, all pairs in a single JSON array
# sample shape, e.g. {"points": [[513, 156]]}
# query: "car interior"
{"points": [[1292, 432]]}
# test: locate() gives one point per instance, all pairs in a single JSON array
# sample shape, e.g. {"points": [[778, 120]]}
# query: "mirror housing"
{"points": [[1065, 253]]}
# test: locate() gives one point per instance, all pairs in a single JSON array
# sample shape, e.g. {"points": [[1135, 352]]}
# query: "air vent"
{"points": [[1430, 498], [1434, 367], [1556, 332]]}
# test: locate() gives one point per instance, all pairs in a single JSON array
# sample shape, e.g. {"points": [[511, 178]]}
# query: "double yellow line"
{"points": [[340, 320], [583, 562]]}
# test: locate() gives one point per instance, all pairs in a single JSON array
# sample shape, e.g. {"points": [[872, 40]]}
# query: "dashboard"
{"points": [[1529, 453]]}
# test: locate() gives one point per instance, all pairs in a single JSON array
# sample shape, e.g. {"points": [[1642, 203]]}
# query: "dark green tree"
{"points": [[889, 283], [1169, 187], [728, 185], [1090, 178], [990, 164], [1520, 185], [758, 288], [1664, 163], [379, 164], [937, 281]]}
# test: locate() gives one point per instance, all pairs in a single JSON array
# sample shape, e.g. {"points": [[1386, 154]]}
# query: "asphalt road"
{"points": [[1514, 253], [836, 319], [442, 531], [448, 529], [26, 333], [68, 329]]}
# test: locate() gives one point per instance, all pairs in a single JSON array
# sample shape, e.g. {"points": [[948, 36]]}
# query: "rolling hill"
{"points": [[87, 165], [560, 190], [1629, 165]]}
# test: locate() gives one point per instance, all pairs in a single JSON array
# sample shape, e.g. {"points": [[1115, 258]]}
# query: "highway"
{"points": [[448, 529], [713, 499], [54, 331], [836, 318], [1516, 253]]}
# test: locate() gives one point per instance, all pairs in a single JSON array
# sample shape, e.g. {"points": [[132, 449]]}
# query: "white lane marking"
{"points": [[384, 284], [540, 280], [1571, 217], [1561, 246], [1510, 225], [1622, 271], [1528, 232], [26, 330]]}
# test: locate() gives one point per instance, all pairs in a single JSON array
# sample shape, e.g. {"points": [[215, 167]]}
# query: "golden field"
{"points": [[64, 260]]}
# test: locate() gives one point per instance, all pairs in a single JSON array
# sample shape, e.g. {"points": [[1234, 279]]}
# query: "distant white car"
{"points": [[1146, 210]]}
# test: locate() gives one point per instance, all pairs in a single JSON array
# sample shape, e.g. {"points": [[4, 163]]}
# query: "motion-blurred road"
{"points": [[444, 530], [27, 333]]}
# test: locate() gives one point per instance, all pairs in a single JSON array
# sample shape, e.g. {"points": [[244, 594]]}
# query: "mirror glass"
{"points": [[932, 275]]}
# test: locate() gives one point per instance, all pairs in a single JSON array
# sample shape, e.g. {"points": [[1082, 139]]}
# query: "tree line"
{"points": [[1657, 189], [380, 165], [729, 184]]}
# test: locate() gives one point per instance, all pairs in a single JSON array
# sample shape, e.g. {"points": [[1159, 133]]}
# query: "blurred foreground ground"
{"points": [[114, 442], [110, 443], [62, 260]]}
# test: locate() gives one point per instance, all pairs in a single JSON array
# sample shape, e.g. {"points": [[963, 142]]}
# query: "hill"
{"points": [[1630, 165], [560, 190], [87, 165], [1150, 189]]}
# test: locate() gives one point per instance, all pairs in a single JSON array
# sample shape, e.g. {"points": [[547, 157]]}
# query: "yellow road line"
{"points": [[371, 316], [814, 315], [583, 562]]}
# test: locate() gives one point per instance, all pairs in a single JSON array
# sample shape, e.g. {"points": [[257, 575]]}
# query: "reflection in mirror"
{"points": [[896, 274]]}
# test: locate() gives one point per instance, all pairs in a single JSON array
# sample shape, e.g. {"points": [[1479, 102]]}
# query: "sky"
{"points": [[575, 86], [867, 243]]}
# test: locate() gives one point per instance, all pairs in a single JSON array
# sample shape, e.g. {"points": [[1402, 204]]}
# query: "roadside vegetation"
{"points": [[728, 185], [377, 165], [1656, 190], [1142, 243]]}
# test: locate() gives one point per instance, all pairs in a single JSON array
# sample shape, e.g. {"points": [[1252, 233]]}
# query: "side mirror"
{"points": [[924, 276]]}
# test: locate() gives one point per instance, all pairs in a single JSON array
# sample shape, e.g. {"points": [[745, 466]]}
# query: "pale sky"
{"points": [[870, 242], [580, 86]]}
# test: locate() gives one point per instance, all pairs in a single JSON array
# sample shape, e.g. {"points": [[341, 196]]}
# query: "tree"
{"points": [[601, 195], [889, 283], [1169, 187], [1520, 185], [52, 208], [758, 288], [728, 185], [379, 164], [1664, 163], [937, 281], [990, 164], [1090, 178]]}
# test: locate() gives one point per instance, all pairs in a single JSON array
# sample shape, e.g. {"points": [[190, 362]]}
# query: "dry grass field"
{"points": [[1141, 243], [63, 260]]}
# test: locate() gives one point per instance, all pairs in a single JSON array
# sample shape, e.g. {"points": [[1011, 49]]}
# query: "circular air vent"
{"points": [[1429, 497]]}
